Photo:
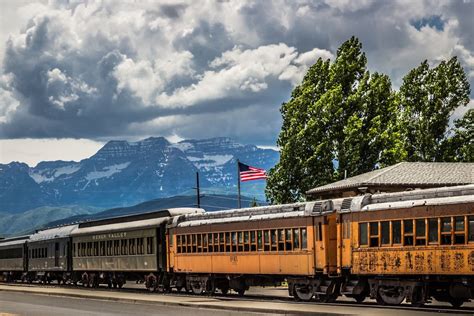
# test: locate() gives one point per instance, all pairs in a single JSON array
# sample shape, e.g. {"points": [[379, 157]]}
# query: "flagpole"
{"points": [[238, 184]]}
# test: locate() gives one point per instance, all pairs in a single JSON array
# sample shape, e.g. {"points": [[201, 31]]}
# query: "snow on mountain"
{"points": [[107, 172], [123, 173], [51, 175]]}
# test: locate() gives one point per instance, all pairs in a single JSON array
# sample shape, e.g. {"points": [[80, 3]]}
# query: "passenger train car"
{"points": [[409, 246]]}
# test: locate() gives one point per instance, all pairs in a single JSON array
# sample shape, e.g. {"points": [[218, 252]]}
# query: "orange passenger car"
{"points": [[255, 246]]}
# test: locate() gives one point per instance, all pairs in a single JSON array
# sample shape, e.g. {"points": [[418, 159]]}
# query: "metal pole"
{"points": [[238, 184], [198, 194]]}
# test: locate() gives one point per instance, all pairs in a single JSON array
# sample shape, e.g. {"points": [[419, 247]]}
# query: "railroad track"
{"points": [[430, 308]]}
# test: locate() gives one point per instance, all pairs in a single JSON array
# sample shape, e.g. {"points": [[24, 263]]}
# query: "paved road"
{"points": [[39, 305], [53, 300]]}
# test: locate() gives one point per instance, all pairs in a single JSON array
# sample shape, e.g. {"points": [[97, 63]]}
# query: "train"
{"points": [[412, 246]]}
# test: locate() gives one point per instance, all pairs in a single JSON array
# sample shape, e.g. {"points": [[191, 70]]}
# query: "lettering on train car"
{"points": [[397, 263], [109, 236], [233, 259], [409, 261], [419, 262], [445, 260], [471, 260], [429, 262], [385, 258], [458, 261], [363, 262], [372, 261]]}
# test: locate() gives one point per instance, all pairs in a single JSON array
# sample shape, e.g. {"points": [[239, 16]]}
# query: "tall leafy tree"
{"points": [[460, 147], [429, 97], [342, 119], [326, 122]]}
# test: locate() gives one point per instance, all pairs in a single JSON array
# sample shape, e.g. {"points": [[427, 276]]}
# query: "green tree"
{"points": [[460, 147], [339, 113], [343, 119], [429, 97]]}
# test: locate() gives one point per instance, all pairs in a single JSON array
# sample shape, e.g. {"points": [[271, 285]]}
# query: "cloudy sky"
{"points": [[76, 74]]}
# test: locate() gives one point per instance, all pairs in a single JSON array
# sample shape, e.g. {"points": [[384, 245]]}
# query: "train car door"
{"points": [[331, 243], [56, 254], [344, 248], [319, 247]]}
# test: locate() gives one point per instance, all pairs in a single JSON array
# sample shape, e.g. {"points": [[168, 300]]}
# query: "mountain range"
{"points": [[125, 173]]}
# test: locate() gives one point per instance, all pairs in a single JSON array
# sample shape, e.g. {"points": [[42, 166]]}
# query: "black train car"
{"points": [[114, 250], [13, 258], [49, 254]]}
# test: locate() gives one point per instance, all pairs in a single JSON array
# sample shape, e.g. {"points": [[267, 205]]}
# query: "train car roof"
{"points": [[422, 202], [53, 233], [241, 215], [13, 241], [126, 223]]}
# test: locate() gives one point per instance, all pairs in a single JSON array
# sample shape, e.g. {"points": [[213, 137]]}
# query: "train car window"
{"points": [[288, 243], [204, 243], [183, 244], [363, 241], [304, 238], [221, 242], [199, 242], [433, 230], [253, 240], [209, 242], [194, 243], [274, 239], [227, 242], [374, 234], [246, 241], [266, 240], [131, 247], [216, 242], [471, 228], [89, 249], [178, 243], [408, 232], [281, 240], [259, 241], [446, 227], [420, 226], [320, 231], [116, 247], [124, 247], [150, 243], [459, 228], [385, 232], [296, 238], [240, 241], [233, 241], [96, 248]]}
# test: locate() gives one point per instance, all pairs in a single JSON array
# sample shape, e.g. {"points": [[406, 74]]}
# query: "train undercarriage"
{"points": [[386, 290]]}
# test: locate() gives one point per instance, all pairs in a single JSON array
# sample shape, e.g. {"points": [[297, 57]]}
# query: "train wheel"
{"points": [[359, 298], [241, 292], [390, 295], [303, 293], [418, 297], [179, 289], [456, 302], [197, 288], [224, 290]]}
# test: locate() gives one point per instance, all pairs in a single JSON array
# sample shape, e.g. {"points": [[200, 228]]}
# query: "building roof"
{"points": [[405, 174]]}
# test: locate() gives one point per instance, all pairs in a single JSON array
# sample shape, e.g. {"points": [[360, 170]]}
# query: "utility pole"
{"points": [[198, 194]]}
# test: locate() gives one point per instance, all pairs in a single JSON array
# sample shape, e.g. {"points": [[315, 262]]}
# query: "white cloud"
{"points": [[113, 69], [239, 71]]}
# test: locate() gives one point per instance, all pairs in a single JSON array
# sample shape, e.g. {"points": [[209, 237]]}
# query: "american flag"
{"points": [[248, 173]]}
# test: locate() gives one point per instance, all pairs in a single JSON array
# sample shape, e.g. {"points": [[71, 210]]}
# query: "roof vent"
{"points": [[346, 204]]}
